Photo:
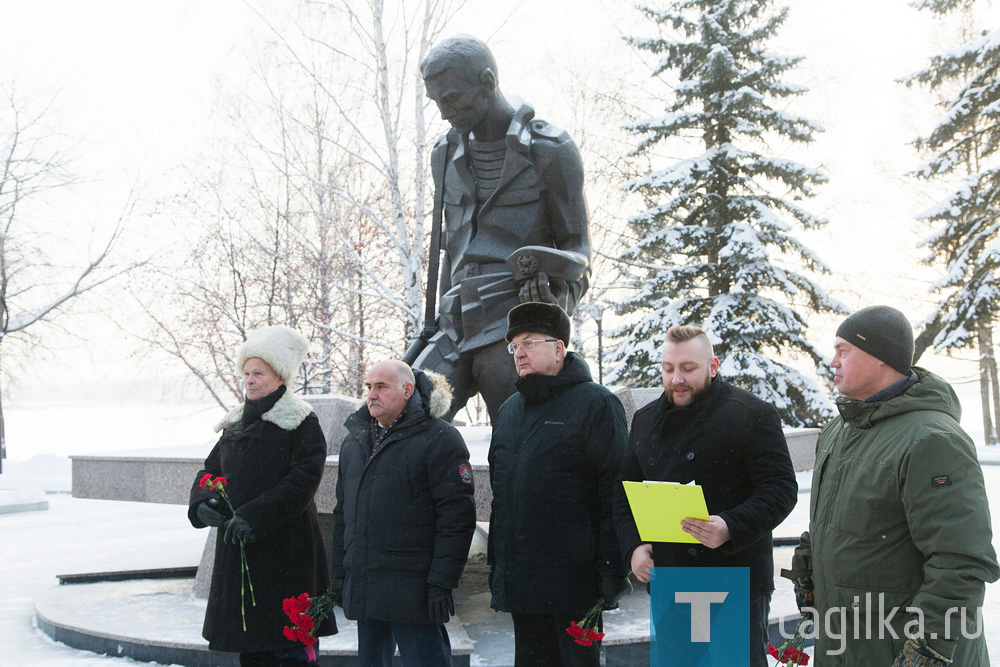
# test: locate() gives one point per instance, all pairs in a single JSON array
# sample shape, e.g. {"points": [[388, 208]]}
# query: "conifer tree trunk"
{"points": [[991, 387], [987, 382]]}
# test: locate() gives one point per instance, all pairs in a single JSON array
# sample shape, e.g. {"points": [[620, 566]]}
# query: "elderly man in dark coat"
{"points": [[272, 453], [557, 445], [728, 441], [404, 518]]}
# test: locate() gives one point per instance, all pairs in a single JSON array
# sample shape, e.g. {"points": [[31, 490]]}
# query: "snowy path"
{"points": [[76, 535]]}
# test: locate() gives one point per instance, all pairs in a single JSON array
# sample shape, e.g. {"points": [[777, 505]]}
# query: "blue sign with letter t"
{"points": [[699, 617]]}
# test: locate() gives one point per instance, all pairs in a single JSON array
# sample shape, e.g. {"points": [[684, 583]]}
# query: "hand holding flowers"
{"points": [[240, 532]]}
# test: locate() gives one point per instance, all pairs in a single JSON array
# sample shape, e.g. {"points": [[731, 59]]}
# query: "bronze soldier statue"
{"points": [[510, 205]]}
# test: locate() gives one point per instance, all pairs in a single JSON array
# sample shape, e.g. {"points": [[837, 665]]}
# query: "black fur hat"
{"points": [[535, 316]]}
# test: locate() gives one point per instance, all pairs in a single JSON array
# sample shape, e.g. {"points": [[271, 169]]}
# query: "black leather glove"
{"points": [[916, 653], [440, 605], [805, 592], [208, 513], [612, 587], [237, 531]]}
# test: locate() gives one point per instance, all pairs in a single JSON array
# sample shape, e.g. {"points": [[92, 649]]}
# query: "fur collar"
{"points": [[287, 413]]}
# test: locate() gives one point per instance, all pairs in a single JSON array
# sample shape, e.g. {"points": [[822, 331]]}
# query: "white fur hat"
{"points": [[283, 348]]}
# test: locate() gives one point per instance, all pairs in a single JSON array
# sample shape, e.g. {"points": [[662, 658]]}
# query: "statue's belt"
{"points": [[472, 269]]}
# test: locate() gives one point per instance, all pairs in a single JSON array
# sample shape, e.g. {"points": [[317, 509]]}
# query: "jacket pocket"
{"points": [[403, 559], [870, 507], [868, 622]]}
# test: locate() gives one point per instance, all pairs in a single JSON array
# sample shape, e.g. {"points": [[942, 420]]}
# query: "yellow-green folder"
{"points": [[659, 508]]}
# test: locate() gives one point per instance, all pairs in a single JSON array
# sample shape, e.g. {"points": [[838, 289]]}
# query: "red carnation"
{"points": [[305, 612], [294, 607], [205, 480], [220, 481], [575, 630], [789, 655], [585, 632]]}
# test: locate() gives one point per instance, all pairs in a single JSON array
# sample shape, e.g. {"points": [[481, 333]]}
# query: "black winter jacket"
{"points": [[273, 467], [405, 517], [556, 449], [730, 443]]}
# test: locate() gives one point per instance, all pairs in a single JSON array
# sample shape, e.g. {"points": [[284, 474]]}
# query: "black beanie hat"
{"points": [[538, 317], [882, 332]]}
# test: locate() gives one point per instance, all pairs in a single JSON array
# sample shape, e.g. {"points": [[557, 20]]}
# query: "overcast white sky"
{"points": [[137, 83]]}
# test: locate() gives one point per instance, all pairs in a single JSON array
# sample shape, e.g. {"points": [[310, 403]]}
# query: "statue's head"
{"points": [[460, 75]]}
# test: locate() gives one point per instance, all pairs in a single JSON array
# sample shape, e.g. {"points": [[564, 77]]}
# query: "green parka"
{"points": [[899, 514]]}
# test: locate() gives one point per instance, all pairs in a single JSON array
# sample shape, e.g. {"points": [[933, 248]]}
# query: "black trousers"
{"points": [[266, 659], [420, 644], [759, 609], [541, 640], [291, 656]]}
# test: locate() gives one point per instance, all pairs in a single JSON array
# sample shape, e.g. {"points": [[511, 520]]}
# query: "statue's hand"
{"points": [[539, 289]]}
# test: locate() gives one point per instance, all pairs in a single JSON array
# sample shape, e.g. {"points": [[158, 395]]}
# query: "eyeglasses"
{"points": [[528, 344]]}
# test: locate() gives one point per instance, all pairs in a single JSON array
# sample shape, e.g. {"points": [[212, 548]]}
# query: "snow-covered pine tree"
{"points": [[715, 246], [966, 239]]}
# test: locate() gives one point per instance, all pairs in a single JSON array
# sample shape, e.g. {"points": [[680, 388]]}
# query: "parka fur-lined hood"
{"points": [[287, 413], [435, 391]]}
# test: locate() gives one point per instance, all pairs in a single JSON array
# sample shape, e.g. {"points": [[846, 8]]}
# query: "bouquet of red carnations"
{"points": [[305, 613], [585, 632], [790, 653]]}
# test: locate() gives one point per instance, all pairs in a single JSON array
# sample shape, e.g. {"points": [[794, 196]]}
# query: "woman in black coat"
{"points": [[272, 453]]}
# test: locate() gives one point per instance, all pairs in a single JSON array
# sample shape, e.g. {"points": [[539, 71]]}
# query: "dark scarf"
{"points": [[893, 390], [536, 387], [378, 434], [254, 409]]}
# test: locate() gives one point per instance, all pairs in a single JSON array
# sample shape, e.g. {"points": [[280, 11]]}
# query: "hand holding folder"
{"points": [[659, 508]]}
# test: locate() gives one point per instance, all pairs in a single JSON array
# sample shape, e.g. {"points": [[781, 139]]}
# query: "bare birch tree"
{"points": [[42, 272], [316, 215]]}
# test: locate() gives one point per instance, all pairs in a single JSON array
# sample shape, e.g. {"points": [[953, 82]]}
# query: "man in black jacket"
{"points": [[728, 441], [556, 448], [404, 518]]}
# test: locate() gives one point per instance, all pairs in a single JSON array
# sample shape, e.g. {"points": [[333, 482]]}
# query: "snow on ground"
{"points": [[65, 428], [77, 535]]}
